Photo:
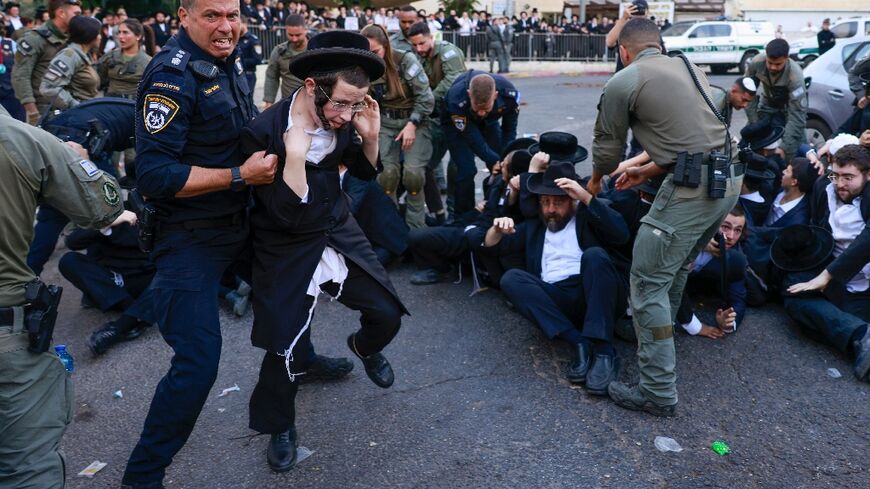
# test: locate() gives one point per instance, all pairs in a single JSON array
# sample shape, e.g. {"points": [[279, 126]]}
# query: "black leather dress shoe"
{"points": [[377, 367], [282, 451], [325, 368], [862, 357], [605, 369], [579, 367], [102, 339]]}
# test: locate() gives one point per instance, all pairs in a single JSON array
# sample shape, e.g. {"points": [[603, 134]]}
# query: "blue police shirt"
{"points": [[470, 127], [115, 113], [191, 109]]}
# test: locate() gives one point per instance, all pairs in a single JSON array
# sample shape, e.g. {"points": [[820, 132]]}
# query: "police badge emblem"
{"points": [[459, 122], [158, 112]]}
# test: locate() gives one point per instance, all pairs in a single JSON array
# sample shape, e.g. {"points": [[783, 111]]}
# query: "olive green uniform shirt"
{"points": [[36, 49], [278, 73], [443, 68], [418, 96], [399, 41], [38, 168], [120, 75], [722, 101], [656, 98], [70, 79], [783, 93]]}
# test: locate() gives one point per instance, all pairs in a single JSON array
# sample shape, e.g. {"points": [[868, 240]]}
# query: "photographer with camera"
{"points": [[35, 389]]}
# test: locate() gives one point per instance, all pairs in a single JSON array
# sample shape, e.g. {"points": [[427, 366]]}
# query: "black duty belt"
{"points": [[397, 113], [7, 316], [193, 224]]}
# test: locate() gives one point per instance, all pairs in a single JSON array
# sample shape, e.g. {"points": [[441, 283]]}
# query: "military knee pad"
{"points": [[414, 179], [389, 179]]}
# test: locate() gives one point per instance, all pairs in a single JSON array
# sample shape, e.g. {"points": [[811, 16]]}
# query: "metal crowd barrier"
{"points": [[526, 46]]}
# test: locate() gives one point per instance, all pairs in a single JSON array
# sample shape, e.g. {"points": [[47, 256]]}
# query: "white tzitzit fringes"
{"points": [[288, 353]]}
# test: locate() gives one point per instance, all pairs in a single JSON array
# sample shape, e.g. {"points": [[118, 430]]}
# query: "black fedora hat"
{"points": [[520, 162], [758, 168], [336, 50], [801, 247], [760, 134], [519, 143], [545, 183], [561, 146]]}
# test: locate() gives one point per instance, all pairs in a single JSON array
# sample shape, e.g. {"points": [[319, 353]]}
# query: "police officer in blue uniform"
{"points": [[194, 100], [101, 126], [481, 120], [251, 52], [7, 93]]}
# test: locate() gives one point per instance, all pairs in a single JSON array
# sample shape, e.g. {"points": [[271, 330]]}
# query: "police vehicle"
{"points": [[720, 44], [806, 50]]}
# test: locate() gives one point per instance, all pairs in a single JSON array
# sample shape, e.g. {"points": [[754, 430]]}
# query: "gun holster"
{"points": [[147, 216], [41, 314], [687, 169], [98, 136]]}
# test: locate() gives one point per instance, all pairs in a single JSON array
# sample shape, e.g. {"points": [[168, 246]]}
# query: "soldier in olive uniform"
{"points": [[35, 388], [737, 97], [71, 77], [121, 68], [656, 97], [406, 101], [278, 71], [408, 16], [783, 94], [36, 49], [443, 63]]}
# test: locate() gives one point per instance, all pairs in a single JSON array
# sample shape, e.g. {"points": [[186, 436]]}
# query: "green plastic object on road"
{"points": [[720, 447]]}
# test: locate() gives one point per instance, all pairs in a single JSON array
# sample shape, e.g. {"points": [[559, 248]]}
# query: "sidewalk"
{"points": [[525, 69]]}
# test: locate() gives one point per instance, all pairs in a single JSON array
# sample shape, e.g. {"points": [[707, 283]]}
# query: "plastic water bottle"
{"points": [[65, 357]]}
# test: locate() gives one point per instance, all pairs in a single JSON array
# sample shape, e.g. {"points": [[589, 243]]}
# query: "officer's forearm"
{"points": [[205, 180], [651, 170]]}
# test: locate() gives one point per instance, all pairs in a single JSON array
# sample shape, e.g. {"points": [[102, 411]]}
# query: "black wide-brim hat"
{"points": [[519, 143], [561, 146], [801, 247], [758, 168], [336, 50], [545, 183], [760, 134]]}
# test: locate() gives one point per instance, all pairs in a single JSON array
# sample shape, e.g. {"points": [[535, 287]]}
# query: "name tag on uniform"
{"points": [[211, 90], [89, 167]]}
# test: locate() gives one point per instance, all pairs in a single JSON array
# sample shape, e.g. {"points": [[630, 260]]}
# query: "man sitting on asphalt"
{"points": [[570, 287], [840, 314], [706, 275]]}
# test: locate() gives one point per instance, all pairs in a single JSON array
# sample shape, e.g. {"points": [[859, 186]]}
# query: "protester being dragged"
{"points": [[721, 273], [827, 286], [570, 287], [438, 250], [71, 78]]}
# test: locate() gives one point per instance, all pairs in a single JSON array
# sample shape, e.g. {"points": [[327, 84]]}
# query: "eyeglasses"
{"points": [[843, 178], [343, 107]]}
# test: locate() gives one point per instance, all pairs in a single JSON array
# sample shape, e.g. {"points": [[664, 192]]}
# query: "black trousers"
{"points": [[590, 301], [437, 247], [102, 287], [272, 408]]}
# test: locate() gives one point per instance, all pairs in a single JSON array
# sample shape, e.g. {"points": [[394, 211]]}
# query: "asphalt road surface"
{"points": [[480, 398]]}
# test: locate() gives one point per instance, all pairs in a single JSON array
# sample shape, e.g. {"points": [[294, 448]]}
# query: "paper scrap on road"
{"points": [[92, 469], [226, 391], [118, 394], [665, 444]]}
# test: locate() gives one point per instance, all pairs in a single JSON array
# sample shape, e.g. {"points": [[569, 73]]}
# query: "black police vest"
{"points": [[8, 62]]}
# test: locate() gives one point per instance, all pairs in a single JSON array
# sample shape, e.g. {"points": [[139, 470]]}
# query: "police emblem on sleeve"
{"points": [[158, 112], [459, 122], [110, 194]]}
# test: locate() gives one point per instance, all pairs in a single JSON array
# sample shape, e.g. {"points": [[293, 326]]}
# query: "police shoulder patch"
{"points": [[25, 47], [458, 122], [110, 194], [449, 53], [89, 167], [413, 70], [158, 112], [60, 64]]}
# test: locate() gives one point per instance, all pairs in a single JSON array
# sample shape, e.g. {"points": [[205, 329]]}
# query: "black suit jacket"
{"points": [[853, 259]]}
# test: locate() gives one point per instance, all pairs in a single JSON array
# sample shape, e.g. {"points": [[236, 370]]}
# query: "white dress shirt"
{"points": [[562, 253], [846, 224], [779, 209]]}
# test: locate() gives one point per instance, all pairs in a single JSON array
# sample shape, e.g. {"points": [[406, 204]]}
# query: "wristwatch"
{"points": [[238, 183]]}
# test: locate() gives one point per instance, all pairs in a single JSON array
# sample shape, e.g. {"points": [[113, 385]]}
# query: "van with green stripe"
{"points": [[722, 45], [806, 50]]}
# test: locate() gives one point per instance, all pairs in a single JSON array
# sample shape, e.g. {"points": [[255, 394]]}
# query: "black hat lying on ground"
{"points": [[801, 247], [337, 50], [545, 183], [561, 146], [760, 134]]}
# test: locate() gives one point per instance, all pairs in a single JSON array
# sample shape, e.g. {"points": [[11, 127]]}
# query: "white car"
{"points": [[720, 44], [806, 50]]}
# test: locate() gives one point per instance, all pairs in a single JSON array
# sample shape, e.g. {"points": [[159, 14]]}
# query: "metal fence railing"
{"points": [[526, 46]]}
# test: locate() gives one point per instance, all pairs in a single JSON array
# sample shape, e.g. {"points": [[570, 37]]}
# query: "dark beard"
{"points": [[555, 223]]}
